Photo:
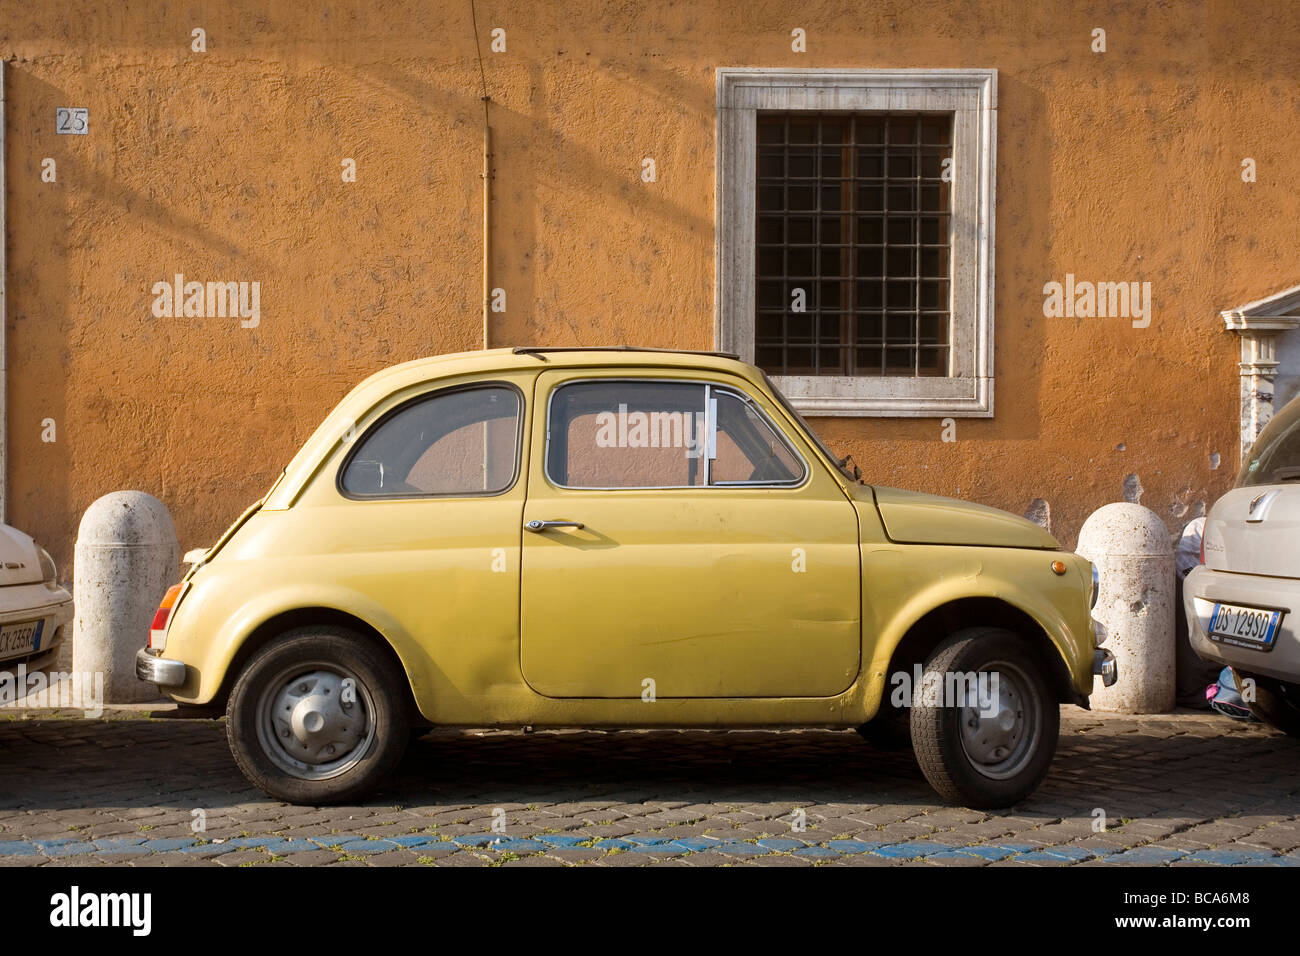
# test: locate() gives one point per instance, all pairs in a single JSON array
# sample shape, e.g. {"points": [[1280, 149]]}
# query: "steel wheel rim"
{"points": [[1001, 745], [307, 726]]}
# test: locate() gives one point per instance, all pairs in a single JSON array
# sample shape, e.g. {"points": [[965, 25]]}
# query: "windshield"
{"points": [[1275, 456], [840, 464]]}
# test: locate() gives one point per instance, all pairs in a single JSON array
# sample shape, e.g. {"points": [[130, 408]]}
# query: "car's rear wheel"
{"points": [[994, 750], [1276, 702], [319, 715]]}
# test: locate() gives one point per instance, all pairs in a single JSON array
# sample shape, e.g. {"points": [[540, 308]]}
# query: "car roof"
{"points": [[533, 357], [528, 358]]}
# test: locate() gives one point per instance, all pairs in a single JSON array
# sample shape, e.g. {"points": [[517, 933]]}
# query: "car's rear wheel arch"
{"points": [[286, 621], [938, 624]]}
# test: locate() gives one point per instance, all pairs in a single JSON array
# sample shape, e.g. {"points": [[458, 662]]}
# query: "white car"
{"points": [[1242, 601], [35, 612]]}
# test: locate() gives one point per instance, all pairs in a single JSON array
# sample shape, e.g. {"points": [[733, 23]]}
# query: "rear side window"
{"points": [[458, 442], [614, 433], [1275, 456]]}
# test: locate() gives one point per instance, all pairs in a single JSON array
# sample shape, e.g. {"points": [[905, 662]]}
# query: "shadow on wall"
{"points": [[53, 325], [38, 324], [531, 156]]}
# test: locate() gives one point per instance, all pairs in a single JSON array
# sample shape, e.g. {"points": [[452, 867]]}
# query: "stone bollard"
{"points": [[1133, 554], [126, 557]]}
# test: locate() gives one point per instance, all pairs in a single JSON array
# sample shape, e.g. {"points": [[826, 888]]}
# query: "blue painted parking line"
{"points": [[659, 846], [367, 846], [740, 848], [19, 848], [816, 852], [70, 849], [414, 839], [993, 852], [212, 849], [563, 841], [781, 844], [699, 844], [1066, 852], [1148, 855], [854, 846], [1229, 857], [910, 851], [917, 850]]}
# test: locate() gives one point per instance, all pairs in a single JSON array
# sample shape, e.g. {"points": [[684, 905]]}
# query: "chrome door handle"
{"points": [[540, 526]]}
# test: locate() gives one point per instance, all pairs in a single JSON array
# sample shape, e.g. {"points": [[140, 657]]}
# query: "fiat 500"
{"points": [[616, 538]]}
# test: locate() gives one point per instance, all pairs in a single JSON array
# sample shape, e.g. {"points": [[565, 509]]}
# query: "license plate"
{"points": [[17, 640], [1252, 627]]}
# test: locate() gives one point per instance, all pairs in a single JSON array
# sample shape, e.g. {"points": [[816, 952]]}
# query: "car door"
{"points": [[424, 521], [679, 543]]}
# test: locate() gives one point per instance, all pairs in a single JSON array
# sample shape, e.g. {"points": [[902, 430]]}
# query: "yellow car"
{"points": [[616, 538]]}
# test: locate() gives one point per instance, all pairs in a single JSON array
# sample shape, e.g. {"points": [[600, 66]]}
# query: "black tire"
{"points": [[958, 752], [1276, 703], [314, 663]]}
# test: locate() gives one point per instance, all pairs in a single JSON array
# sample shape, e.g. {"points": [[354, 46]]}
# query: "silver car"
{"points": [[1243, 600]]}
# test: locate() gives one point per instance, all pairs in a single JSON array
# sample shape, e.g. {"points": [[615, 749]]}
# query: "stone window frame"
{"points": [[970, 95], [1259, 323]]}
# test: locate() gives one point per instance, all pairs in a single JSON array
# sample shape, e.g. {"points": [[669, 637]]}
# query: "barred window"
{"points": [[853, 243], [855, 236]]}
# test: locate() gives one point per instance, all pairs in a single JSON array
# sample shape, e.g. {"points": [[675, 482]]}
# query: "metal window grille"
{"points": [[854, 224]]}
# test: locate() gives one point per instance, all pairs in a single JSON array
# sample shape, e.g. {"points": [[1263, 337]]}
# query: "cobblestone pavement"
{"points": [[1183, 790]]}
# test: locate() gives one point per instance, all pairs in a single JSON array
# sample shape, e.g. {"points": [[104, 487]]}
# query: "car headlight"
{"points": [[1096, 586], [49, 572]]}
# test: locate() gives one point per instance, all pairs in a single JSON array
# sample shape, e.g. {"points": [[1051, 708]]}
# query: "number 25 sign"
{"points": [[75, 120]]}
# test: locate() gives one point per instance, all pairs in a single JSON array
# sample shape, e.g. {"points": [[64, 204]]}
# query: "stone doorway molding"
{"points": [[1260, 325]]}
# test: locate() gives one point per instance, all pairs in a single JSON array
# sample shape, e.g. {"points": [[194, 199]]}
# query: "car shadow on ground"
{"points": [[1134, 769]]}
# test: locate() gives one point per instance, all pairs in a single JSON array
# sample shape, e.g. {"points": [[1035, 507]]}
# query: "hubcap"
{"points": [[1000, 732], [315, 721]]}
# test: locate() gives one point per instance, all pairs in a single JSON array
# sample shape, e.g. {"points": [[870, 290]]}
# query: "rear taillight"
{"points": [[1202, 546], [158, 629]]}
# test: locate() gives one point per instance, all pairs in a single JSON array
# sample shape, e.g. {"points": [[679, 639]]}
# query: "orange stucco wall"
{"points": [[225, 165]]}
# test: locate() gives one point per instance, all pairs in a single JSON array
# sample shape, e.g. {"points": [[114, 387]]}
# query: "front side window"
{"points": [[456, 442], [645, 434]]}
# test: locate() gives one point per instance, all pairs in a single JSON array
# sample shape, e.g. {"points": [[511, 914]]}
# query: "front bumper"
{"points": [[1105, 666], [157, 670]]}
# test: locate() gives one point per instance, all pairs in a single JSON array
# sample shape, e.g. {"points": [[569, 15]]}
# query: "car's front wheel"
{"points": [[984, 720], [319, 715]]}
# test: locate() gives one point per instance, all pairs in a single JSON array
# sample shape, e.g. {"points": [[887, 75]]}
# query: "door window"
{"points": [[616, 433]]}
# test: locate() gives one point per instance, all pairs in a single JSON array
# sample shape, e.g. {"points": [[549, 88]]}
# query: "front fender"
{"points": [[904, 583]]}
